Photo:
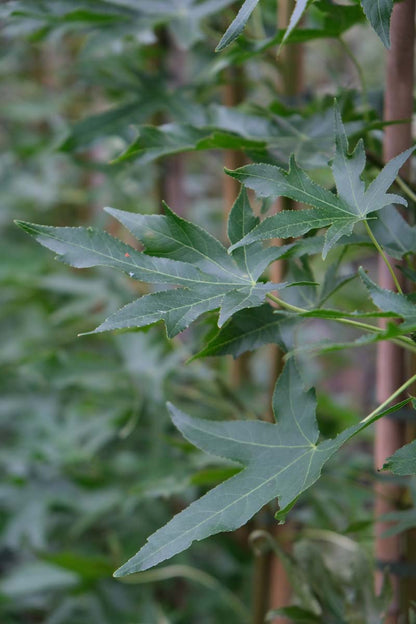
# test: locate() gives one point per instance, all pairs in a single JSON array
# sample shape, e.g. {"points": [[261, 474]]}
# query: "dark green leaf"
{"points": [[281, 460]]}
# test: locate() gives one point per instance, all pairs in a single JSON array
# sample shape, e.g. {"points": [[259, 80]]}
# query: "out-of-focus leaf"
{"points": [[237, 25], [37, 577], [403, 461], [389, 301], [378, 13]]}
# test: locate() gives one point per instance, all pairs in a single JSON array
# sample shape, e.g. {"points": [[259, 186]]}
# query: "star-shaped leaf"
{"points": [[178, 253], [280, 460], [340, 211]]}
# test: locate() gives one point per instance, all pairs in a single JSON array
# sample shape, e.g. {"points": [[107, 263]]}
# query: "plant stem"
{"points": [[383, 255], [360, 74], [389, 399], [402, 341], [391, 365], [406, 188]]}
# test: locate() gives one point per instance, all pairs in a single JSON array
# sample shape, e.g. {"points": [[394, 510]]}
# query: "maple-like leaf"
{"points": [[280, 460], [341, 212], [177, 253]]}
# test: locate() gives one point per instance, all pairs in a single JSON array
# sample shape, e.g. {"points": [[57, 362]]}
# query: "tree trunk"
{"points": [[391, 373]]}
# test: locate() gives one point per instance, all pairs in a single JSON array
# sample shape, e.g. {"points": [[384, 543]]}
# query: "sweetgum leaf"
{"points": [[403, 461], [341, 211], [281, 460], [177, 253]]}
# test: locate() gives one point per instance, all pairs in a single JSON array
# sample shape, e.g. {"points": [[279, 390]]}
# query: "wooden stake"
{"points": [[390, 433]]}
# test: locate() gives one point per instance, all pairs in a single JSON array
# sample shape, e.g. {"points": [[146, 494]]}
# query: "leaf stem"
{"points": [[402, 341], [391, 398], [383, 255], [406, 188]]}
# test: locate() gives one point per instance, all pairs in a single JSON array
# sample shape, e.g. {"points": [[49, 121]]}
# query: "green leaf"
{"points": [[252, 259], [389, 301], [340, 211], [87, 247], [245, 297], [281, 460], [403, 461], [378, 13], [248, 330], [156, 141], [177, 253], [237, 25], [172, 237], [298, 11], [394, 234], [177, 308]]}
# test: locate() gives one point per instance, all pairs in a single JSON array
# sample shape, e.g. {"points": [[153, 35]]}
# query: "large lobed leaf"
{"points": [[341, 212], [280, 460], [178, 253]]}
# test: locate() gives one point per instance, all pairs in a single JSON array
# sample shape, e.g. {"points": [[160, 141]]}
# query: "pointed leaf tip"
{"points": [[237, 25]]}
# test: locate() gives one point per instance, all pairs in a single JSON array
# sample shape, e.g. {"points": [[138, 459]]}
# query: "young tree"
{"points": [[196, 275]]}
